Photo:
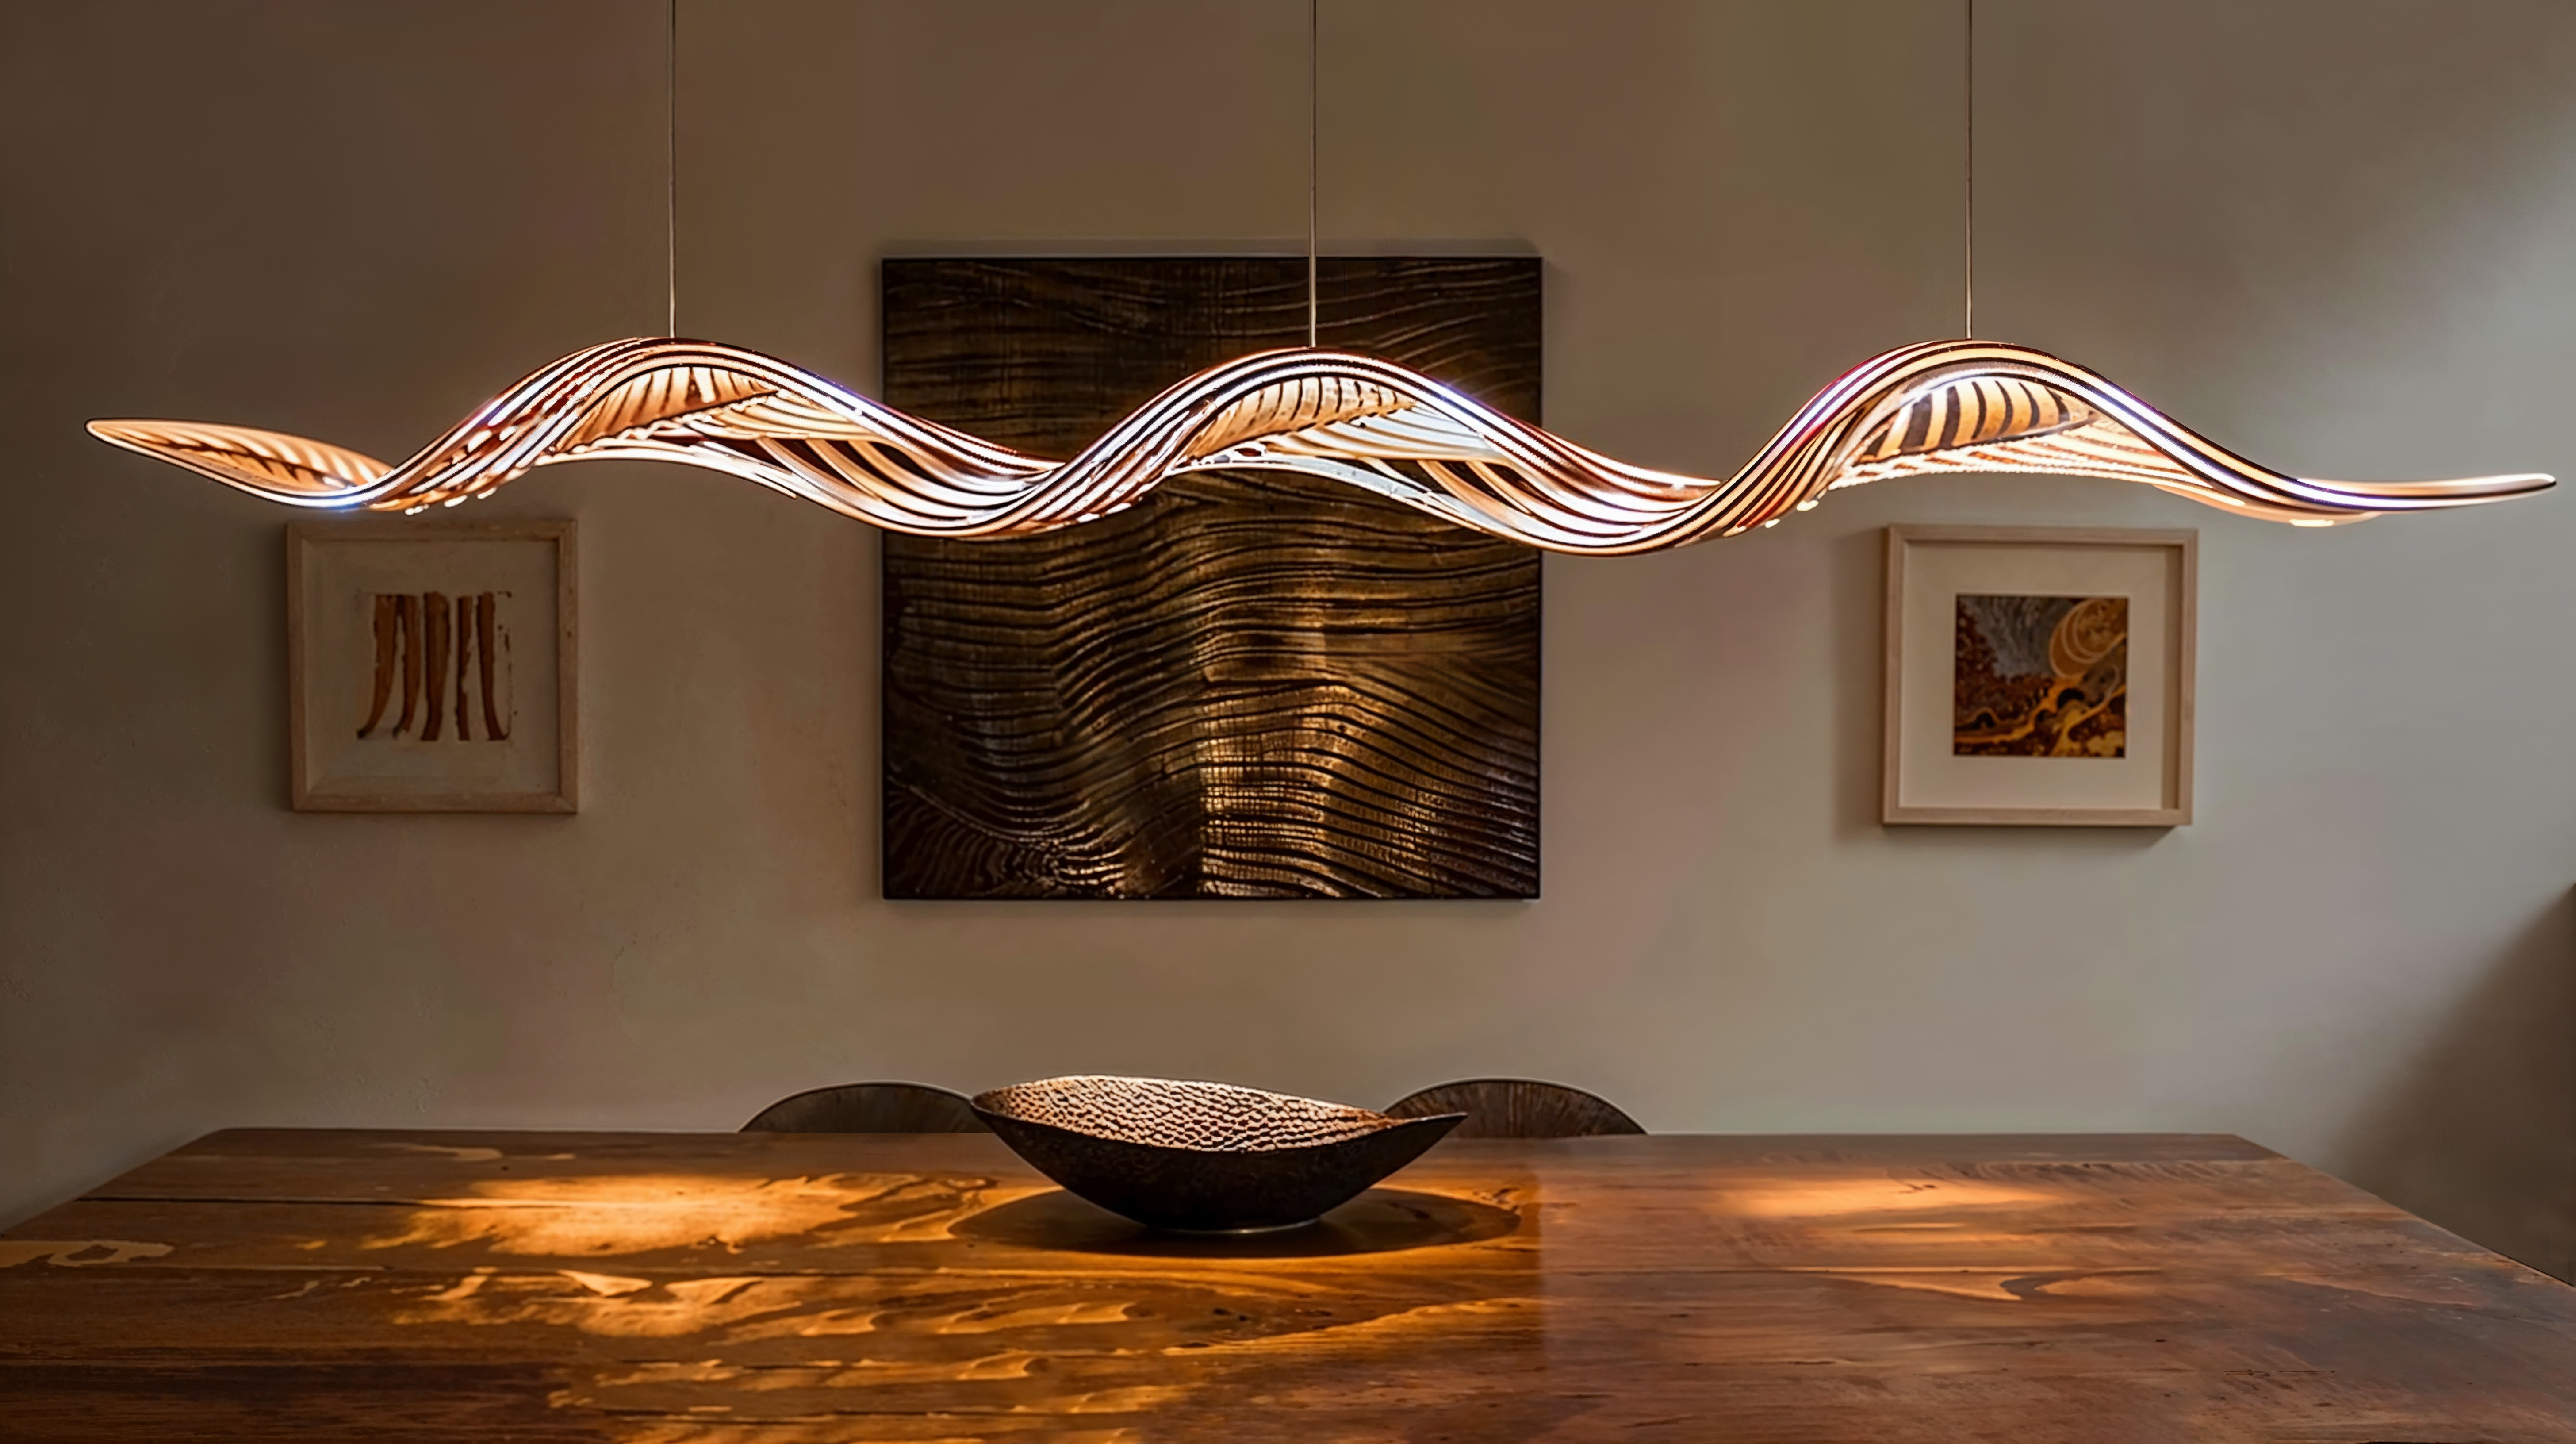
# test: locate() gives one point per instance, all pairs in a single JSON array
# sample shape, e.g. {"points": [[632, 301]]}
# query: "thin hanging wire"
{"points": [[1314, 125], [671, 169], [1968, 177]]}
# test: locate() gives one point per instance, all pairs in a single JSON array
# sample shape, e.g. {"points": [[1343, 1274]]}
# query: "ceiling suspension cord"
{"points": [[1968, 176], [671, 168], [1314, 125]]}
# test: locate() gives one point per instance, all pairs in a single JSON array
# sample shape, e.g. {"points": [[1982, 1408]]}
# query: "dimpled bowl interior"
{"points": [[1203, 1157]]}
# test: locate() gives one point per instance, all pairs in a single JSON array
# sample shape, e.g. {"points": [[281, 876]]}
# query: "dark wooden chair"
{"points": [[1517, 1108], [869, 1108]]}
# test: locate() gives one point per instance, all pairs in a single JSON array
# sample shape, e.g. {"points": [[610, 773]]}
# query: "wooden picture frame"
{"points": [[2039, 676], [433, 667]]}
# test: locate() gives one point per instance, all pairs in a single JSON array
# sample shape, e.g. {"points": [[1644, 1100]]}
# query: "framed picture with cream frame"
{"points": [[2039, 676], [432, 667]]}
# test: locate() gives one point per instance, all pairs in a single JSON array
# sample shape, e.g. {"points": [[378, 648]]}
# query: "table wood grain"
{"points": [[767, 1288]]}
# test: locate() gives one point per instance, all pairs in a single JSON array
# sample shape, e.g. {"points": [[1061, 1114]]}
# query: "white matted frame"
{"points": [[433, 668], [1930, 567]]}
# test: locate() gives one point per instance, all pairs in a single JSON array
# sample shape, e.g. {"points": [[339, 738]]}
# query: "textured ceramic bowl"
{"points": [[1203, 1157]]}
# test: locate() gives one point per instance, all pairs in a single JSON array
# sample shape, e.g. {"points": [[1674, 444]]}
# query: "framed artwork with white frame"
{"points": [[432, 668], [2039, 676]]}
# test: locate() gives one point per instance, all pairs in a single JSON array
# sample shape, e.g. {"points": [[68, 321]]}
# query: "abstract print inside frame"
{"points": [[1250, 685], [2041, 677], [412, 637]]}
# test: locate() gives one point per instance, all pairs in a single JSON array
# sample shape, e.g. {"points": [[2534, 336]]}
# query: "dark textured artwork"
{"points": [[2041, 677], [1248, 685]]}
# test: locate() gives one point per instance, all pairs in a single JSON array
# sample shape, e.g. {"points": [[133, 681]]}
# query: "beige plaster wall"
{"points": [[2336, 234]]}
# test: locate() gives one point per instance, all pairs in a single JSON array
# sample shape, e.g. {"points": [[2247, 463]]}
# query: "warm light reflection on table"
{"points": [[786, 1287]]}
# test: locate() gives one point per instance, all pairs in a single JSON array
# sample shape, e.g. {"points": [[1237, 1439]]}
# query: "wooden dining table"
{"points": [[281, 1284]]}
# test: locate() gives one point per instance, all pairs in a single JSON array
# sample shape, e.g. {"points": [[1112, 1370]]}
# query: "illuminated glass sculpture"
{"points": [[1938, 406]]}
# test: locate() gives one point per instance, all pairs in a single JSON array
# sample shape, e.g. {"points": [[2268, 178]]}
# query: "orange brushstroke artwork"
{"points": [[413, 637]]}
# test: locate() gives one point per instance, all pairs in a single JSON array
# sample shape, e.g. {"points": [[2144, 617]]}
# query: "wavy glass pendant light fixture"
{"points": [[1936, 406]]}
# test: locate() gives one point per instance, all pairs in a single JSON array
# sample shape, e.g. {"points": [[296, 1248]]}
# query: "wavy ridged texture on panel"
{"points": [[1251, 684]]}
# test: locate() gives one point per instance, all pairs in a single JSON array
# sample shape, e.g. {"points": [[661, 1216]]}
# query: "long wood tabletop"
{"points": [[751, 1288]]}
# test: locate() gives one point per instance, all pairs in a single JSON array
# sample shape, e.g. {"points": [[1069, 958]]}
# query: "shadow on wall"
{"points": [[2480, 1137]]}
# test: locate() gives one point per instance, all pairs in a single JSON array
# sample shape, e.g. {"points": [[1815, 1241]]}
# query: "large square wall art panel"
{"points": [[1250, 685]]}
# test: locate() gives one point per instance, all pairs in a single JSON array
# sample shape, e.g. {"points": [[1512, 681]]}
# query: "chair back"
{"points": [[1517, 1108], [869, 1108]]}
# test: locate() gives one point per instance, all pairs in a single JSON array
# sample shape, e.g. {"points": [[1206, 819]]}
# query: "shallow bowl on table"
{"points": [[1203, 1157]]}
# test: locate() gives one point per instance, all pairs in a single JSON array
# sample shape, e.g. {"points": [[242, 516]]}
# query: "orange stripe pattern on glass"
{"points": [[1938, 406]]}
